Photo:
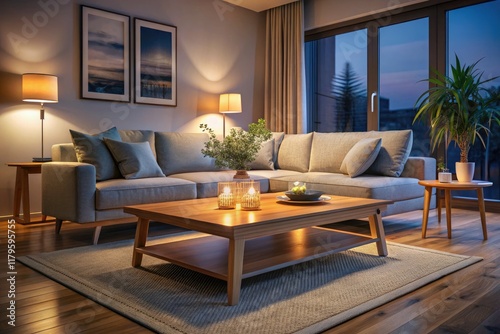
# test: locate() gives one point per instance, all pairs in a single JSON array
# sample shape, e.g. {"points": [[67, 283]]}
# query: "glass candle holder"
{"points": [[250, 195], [226, 195]]}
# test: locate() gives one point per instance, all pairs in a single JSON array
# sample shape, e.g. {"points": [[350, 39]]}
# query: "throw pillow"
{"points": [[135, 160], [294, 152], [396, 147], [92, 150], [179, 152], [361, 156], [265, 156]]}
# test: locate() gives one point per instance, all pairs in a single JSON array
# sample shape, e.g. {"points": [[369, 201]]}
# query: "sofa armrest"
{"points": [[68, 191], [422, 168]]}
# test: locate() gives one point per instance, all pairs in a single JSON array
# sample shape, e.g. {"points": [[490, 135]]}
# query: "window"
{"points": [[473, 36], [367, 74]]}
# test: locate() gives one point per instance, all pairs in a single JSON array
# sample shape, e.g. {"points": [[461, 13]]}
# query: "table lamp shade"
{"points": [[230, 103], [40, 88]]}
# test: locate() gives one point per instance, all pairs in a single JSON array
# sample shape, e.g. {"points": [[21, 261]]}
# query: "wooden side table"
{"points": [[448, 187], [22, 190]]}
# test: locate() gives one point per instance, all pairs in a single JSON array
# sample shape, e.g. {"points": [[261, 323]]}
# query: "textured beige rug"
{"points": [[306, 298]]}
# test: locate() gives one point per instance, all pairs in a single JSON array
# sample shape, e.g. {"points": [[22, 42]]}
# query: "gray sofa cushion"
{"points": [[365, 186], [181, 152], [329, 150], [295, 151], [91, 149], [361, 156], [206, 182], [395, 150], [265, 156], [117, 193], [135, 160]]}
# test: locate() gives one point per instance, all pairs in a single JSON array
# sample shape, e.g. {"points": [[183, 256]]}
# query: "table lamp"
{"points": [[40, 88], [229, 103]]}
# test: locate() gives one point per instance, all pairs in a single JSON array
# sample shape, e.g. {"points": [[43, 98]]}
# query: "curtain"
{"points": [[284, 95]]}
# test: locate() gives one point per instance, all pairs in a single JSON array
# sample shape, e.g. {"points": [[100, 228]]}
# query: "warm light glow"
{"points": [[230, 103], [40, 88], [227, 190], [251, 191]]}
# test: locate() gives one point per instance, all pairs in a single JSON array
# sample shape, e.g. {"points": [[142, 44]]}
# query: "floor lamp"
{"points": [[40, 88], [229, 103]]}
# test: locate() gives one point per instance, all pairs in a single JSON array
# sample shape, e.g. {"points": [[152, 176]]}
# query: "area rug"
{"points": [[304, 298]]}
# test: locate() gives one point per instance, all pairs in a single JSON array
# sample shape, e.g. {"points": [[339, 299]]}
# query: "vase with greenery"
{"points": [[238, 149], [460, 109]]}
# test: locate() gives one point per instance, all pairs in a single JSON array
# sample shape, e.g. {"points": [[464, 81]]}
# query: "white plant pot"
{"points": [[465, 171]]}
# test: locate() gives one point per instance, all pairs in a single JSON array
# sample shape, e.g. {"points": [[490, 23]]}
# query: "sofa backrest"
{"points": [[328, 150]]}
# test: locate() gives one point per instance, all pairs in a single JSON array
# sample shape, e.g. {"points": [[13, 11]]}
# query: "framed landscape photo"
{"points": [[105, 56], [155, 63]]}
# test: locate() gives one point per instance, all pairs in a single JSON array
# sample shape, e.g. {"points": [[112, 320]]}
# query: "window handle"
{"points": [[373, 100]]}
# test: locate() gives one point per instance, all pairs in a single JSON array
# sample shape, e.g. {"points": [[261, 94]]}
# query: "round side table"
{"points": [[448, 187]]}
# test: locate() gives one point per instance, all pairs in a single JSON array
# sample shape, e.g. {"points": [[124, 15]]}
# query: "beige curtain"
{"points": [[285, 72]]}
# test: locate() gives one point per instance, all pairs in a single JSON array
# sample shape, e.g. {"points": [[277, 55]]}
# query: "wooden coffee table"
{"points": [[241, 244]]}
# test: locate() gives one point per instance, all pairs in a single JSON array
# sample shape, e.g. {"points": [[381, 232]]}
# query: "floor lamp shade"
{"points": [[229, 103], [41, 88]]}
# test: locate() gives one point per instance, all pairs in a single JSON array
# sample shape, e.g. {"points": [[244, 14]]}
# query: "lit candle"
{"points": [[226, 199], [250, 200]]}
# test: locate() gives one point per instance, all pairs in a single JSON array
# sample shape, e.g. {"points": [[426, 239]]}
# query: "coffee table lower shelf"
{"points": [[209, 254]]}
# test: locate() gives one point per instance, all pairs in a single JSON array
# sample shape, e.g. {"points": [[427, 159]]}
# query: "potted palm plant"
{"points": [[237, 149], [459, 109]]}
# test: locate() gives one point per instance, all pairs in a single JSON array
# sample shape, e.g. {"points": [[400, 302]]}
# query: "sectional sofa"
{"points": [[93, 178]]}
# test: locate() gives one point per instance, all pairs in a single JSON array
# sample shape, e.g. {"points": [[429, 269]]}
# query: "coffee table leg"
{"points": [[377, 231], [141, 234], [427, 205], [480, 202], [235, 270]]}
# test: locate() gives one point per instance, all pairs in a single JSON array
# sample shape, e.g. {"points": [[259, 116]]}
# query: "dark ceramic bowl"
{"points": [[310, 195]]}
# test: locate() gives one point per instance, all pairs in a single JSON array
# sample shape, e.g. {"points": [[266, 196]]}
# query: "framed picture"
{"points": [[105, 55], [155, 63]]}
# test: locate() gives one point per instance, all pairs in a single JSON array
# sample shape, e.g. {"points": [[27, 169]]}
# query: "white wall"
{"points": [[220, 49]]}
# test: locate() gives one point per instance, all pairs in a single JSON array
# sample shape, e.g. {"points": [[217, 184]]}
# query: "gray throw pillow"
{"points": [[92, 150], [361, 156], [265, 156], [179, 152], [135, 160], [394, 152]]}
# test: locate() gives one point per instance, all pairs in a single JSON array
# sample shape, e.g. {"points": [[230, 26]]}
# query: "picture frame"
{"points": [[105, 55], [155, 63]]}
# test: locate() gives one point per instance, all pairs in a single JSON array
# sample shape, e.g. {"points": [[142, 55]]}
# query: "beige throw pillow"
{"points": [[361, 156]]}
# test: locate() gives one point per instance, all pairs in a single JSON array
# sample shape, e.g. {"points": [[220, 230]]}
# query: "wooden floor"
{"points": [[467, 301]]}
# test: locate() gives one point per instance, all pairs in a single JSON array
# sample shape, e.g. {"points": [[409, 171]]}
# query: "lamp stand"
{"points": [[42, 117], [223, 125]]}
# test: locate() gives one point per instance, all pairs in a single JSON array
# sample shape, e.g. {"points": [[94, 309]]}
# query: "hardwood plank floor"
{"points": [[464, 302]]}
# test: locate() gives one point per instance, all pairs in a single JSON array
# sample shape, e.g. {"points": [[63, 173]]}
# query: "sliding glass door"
{"points": [[403, 64], [368, 74]]}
